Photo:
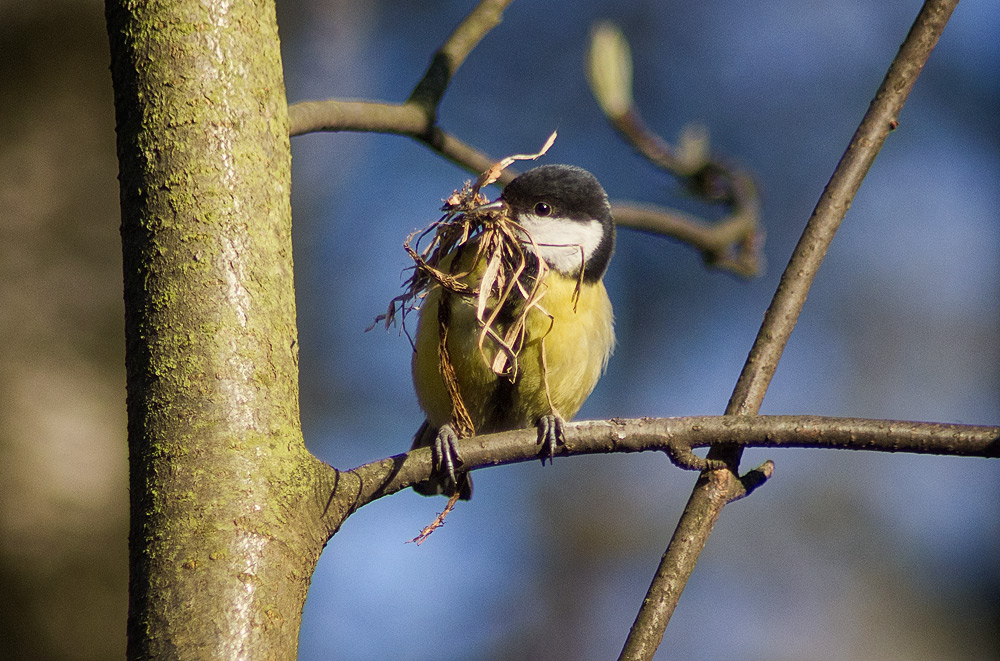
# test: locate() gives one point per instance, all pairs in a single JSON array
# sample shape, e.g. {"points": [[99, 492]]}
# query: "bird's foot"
{"points": [[445, 455], [551, 434]]}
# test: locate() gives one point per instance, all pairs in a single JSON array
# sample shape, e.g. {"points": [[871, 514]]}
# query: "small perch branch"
{"points": [[677, 437]]}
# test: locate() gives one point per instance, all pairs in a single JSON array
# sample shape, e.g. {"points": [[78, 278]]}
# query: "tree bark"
{"points": [[224, 495]]}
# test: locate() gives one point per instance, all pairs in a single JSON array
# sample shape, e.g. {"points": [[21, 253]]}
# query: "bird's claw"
{"points": [[551, 434], [444, 453]]}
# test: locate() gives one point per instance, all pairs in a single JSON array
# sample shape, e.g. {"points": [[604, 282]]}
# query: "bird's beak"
{"points": [[496, 205]]}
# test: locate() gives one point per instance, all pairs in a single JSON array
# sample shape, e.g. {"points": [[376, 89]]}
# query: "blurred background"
{"points": [[840, 556]]}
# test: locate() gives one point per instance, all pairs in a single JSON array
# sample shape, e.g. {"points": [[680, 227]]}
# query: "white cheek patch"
{"points": [[565, 245]]}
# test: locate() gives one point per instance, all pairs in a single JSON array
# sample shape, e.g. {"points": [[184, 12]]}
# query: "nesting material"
{"points": [[500, 254]]}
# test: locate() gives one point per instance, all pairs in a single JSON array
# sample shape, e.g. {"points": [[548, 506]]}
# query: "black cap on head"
{"points": [[571, 193]]}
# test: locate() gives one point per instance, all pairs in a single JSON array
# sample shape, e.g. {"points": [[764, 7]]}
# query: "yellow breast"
{"points": [[567, 345]]}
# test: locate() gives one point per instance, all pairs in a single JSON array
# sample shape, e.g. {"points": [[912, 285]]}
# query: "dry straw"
{"points": [[500, 255]]}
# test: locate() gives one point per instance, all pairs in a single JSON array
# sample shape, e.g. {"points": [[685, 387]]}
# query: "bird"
{"points": [[564, 220]]}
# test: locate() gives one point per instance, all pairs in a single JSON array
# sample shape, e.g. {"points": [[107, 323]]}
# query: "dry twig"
{"points": [[734, 243]]}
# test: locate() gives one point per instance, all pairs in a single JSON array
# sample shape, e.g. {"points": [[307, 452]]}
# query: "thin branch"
{"points": [[732, 244], [360, 116], [713, 181], [417, 118], [431, 88], [376, 117], [717, 488], [678, 437], [418, 115], [609, 71]]}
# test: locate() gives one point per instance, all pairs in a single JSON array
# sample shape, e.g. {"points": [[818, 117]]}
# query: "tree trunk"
{"points": [[225, 499]]}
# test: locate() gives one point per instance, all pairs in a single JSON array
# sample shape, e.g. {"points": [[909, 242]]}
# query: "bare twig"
{"points": [[677, 437], [717, 488], [729, 244], [732, 244], [609, 70], [376, 117], [431, 88], [417, 118]]}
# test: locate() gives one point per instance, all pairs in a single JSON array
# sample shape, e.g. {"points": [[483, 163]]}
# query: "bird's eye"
{"points": [[542, 209]]}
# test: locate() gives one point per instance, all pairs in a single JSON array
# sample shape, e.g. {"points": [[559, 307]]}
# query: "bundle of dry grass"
{"points": [[501, 245]]}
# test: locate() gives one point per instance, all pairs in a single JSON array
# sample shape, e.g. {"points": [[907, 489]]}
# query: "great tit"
{"points": [[568, 337]]}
